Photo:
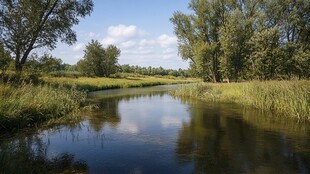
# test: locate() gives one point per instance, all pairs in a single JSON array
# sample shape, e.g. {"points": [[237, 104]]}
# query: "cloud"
{"points": [[145, 42], [169, 51], [122, 34], [166, 41], [124, 31], [128, 44], [93, 35], [78, 47]]}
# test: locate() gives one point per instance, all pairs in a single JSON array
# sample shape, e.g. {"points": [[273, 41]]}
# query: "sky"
{"points": [[140, 28]]}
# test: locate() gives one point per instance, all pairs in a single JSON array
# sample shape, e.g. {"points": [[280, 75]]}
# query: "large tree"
{"points": [[99, 61], [198, 36], [248, 39], [29, 24]]}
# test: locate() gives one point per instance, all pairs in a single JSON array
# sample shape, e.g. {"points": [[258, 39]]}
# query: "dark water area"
{"points": [[145, 130]]}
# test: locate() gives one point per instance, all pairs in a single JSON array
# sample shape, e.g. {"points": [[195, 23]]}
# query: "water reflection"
{"points": [[222, 139], [29, 155], [149, 131]]}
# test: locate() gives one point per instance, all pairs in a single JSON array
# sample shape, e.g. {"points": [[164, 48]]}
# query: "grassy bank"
{"points": [[101, 83], [27, 105], [290, 98]]}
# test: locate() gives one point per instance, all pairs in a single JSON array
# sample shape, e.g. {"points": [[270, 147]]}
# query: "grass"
{"points": [[101, 83], [60, 99], [27, 105], [290, 98]]}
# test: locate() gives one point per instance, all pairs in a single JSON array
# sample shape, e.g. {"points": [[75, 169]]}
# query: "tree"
{"points": [[5, 59], [198, 36], [233, 39], [29, 24], [50, 63], [99, 61], [111, 59]]}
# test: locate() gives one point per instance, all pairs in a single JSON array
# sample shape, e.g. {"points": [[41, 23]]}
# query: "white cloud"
{"points": [[169, 56], [124, 31], [110, 40], [166, 41], [145, 42], [122, 34], [128, 44], [78, 47], [169, 51], [93, 35]]}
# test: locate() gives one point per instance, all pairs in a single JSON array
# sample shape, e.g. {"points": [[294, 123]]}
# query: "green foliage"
{"points": [[152, 71], [5, 59], [198, 37], [241, 40], [49, 65], [290, 98], [99, 61], [27, 104], [27, 24]]}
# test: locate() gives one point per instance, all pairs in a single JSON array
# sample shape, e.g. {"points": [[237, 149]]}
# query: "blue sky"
{"points": [[140, 28]]}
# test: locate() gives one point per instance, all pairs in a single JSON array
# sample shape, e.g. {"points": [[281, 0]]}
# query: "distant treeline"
{"points": [[151, 71], [249, 39], [49, 65]]}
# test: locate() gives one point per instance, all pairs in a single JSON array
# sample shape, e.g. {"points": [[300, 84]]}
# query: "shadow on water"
{"points": [[28, 155], [223, 138]]}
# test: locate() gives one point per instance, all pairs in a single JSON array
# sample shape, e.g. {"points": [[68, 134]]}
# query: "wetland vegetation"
{"points": [[246, 111]]}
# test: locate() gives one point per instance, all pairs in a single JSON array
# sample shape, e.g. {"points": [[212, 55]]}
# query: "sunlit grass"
{"points": [[291, 98], [28, 104], [93, 84]]}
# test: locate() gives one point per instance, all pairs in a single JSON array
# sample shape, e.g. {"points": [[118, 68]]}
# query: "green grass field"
{"points": [[101, 83], [289, 98]]}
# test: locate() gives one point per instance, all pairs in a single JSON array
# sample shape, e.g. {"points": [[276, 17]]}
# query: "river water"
{"points": [[145, 130]]}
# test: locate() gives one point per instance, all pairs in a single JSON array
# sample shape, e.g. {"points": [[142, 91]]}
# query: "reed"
{"points": [[27, 105], [290, 98], [101, 83]]}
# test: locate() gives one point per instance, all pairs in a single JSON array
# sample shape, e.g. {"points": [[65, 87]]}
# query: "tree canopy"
{"points": [[250, 39], [99, 61], [29, 24]]}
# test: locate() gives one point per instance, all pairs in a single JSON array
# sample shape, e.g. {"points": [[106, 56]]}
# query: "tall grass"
{"points": [[101, 83], [28, 104], [291, 98]]}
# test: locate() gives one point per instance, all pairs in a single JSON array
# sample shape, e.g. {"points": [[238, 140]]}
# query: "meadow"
{"points": [[125, 81], [288, 98]]}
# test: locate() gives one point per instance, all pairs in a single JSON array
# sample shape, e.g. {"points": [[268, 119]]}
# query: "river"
{"points": [[145, 130]]}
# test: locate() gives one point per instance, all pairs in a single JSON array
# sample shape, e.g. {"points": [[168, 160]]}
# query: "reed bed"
{"points": [[289, 98], [101, 83], [27, 105]]}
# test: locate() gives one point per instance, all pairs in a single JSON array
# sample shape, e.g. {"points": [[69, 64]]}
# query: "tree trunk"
{"points": [[18, 68]]}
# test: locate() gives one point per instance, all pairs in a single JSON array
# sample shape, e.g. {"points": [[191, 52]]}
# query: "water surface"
{"points": [[145, 130]]}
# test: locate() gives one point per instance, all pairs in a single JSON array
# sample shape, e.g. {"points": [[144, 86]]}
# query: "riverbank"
{"points": [[28, 105], [289, 98], [59, 100], [102, 83]]}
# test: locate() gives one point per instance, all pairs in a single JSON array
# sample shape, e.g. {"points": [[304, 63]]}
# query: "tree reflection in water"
{"points": [[107, 113], [217, 140], [28, 155]]}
